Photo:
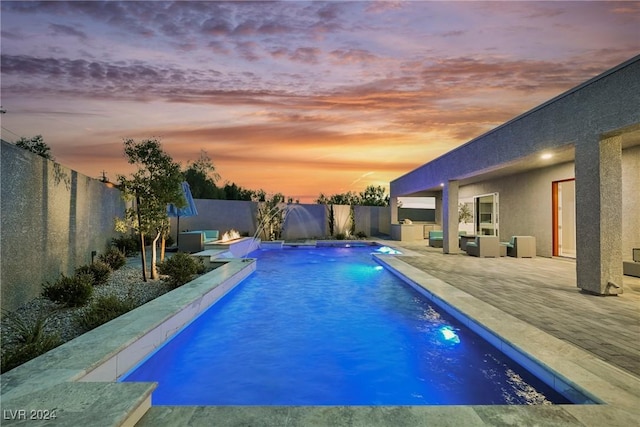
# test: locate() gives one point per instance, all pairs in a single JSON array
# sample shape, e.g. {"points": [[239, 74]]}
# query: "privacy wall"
{"points": [[308, 221], [52, 219]]}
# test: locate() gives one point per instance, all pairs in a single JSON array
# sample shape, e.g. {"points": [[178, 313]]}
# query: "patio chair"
{"points": [[484, 246], [521, 246], [435, 238]]}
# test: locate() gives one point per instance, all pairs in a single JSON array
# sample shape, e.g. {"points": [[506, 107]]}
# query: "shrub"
{"points": [[341, 236], [114, 258], [361, 235], [29, 341], [99, 271], [102, 310], [71, 291], [180, 268], [129, 245]]}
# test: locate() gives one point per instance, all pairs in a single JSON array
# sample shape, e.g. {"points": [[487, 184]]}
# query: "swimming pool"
{"points": [[329, 326]]}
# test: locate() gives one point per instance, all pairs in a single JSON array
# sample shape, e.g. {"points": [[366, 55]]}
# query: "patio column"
{"points": [[598, 165], [393, 203], [450, 217]]}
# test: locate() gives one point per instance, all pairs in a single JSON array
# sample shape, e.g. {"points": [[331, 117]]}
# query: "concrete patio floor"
{"points": [[536, 295]]}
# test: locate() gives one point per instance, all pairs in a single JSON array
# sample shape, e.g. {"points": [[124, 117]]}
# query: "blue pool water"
{"points": [[329, 326]]}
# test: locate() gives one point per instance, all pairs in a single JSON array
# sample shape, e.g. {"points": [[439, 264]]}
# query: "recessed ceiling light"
{"points": [[442, 184], [546, 156]]}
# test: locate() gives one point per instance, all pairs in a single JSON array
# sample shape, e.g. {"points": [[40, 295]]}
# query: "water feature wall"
{"points": [[305, 222]]}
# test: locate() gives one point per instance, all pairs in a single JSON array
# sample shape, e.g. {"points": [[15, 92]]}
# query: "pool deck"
{"points": [[534, 304], [537, 302]]}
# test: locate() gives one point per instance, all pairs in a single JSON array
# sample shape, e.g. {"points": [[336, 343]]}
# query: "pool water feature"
{"points": [[328, 326]]}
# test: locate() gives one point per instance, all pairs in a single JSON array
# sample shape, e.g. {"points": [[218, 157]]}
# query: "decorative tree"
{"points": [[155, 184], [374, 196], [36, 145], [202, 177]]}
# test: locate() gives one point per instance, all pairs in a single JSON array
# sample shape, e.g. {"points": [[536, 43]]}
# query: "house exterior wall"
{"points": [[52, 219]]}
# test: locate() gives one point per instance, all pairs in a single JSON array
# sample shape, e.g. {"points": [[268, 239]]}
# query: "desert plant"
{"points": [[341, 236], [180, 268], [361, 235], [28, 341], [102, 310], [71, 291], [99, 271], [114, 258], [129, 245]]}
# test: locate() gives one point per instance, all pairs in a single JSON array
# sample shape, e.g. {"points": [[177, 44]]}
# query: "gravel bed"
{"points": [[124, 283]]}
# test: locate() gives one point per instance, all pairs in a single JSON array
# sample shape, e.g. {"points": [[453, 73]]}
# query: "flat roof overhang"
{"points": [[605, 106]]}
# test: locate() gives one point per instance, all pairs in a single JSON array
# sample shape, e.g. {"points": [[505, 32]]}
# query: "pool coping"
{"points": [[77, 379]]}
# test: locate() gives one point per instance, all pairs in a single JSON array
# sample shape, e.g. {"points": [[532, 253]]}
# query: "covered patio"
{"points": [[587, 140]]}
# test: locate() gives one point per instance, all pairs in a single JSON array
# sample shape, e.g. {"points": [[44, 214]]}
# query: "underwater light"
{"points": [[388, 250], [449, 334], [378, 268]]}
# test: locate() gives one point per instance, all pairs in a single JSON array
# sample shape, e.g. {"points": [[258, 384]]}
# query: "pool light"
{"points": [[449, 334], [387, 250]]}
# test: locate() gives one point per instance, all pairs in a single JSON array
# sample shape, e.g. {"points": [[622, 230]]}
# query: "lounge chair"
{"points": [[484, 246]]}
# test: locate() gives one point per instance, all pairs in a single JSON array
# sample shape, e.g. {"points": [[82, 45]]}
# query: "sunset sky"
{"points": [[293, 97]]}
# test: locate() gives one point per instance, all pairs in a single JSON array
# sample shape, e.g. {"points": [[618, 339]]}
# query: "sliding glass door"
{"points": [[486, 214]]}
